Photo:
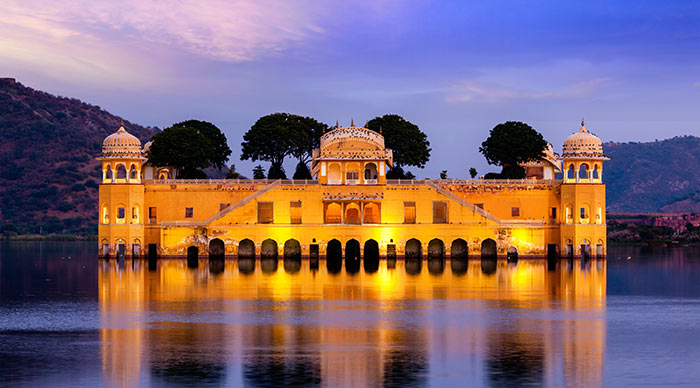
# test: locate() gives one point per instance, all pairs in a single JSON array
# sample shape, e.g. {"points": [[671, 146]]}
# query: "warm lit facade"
{"points": [[352, 208]]}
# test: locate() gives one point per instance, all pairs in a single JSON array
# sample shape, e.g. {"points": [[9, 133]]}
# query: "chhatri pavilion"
{"points": [[352, 209]]}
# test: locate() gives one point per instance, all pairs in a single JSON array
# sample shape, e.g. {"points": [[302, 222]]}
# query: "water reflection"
{"points": [[257, 323]]}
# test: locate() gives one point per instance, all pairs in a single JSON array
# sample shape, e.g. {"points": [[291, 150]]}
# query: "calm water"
{"points": [[67, 319]]}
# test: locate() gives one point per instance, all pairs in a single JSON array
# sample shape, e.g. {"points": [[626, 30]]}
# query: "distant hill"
{"points": [[651, 177], [48, 171]]}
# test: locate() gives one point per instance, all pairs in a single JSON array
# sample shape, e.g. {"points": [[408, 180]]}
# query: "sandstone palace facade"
{"points": [[351, 208]]}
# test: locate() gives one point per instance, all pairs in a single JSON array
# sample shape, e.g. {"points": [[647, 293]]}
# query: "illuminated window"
{"points": [[569, 215], [135, 215], [583, 213], [189, 212], [409, 212], [333, 213], [265, 212], [439, 212], [352, 213], [295, 212], [105, 215], [371, 214], [152, 215], [223, 206], [515, 212], [599, 216]]}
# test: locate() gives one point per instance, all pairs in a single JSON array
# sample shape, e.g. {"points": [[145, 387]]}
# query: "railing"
{"points": [[230, 181], [462, 201], [474, 181], [370, 181]]}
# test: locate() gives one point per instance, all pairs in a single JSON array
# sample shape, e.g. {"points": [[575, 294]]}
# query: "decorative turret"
{"points": [[121, 158], [583, 157]]}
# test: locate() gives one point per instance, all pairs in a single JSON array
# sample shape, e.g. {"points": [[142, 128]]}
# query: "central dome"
{"points": [[583, 144], [121, 143]]}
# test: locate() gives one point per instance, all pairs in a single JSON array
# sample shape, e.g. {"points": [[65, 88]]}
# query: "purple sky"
{"points": [[456, 69]]}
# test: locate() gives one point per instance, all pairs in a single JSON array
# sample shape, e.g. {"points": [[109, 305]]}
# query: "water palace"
{"points": [[351, 209]]}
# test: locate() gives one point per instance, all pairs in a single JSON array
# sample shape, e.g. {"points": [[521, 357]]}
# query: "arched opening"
{"points": [[121, 214], [585, 214], [459, 249], [334, 256], [599, 215], [596, 172], [121, 172], [192, 257], [136, 248], [585, 248], [216, 249], [583, 171], [268, 249], [104, 248], [370, 173], [371, 256], [246, 249], [371, 213], [352, 256], [135, 215], [292, 249], [132, 172], [108, 174], [414, 249], [569, 214], [436, 249], [352, 173], [334, 174], [570, 173], [163, 174], [512, 253], [352, 214], [334, 213], [105, 214], [599, 249], [489, 249]]}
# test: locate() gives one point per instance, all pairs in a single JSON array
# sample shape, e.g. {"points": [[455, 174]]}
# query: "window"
{"points": [[583, 213], [295, 212], [334, 213], [409, 212], [105, 215], [371, 214], [189, 212], [439, 212], [223, 206], [515, 212], [351, 175], [134, 215], [152, 215], [479, 205], [599, 216], [121, 214], [553, 212], [265, 212]]}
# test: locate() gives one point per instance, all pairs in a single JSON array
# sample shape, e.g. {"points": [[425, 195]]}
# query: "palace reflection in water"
{"points": [[395, 323]]}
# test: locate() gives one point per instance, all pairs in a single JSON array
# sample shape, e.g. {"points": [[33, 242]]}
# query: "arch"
{"points": [[105, 214], [513, 253], [371, 213], [334, 213], [246, 249], [599, 215], [135, 214], [192, 256], [132, 172], [436, 249], [489, 249], [352, 213], [585, 214], [334, 256], [370, 172], [121, 172], [335, 176], [583, 171], [459, 249], [352, 250], [595, 174], [292, 249], [104, 247], [569, 214], [413, 249], [570, 172], [371, 256], [216, 249], [121, 214], [163, 174], [108, 173], [268, 249]]}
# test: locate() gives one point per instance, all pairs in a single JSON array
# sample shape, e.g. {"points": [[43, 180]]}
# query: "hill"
{"points": [[655, 176], [48, 172]]}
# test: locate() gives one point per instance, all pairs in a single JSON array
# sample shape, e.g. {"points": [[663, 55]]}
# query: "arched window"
{"points": [[108, 174], [371, 214], [585, 214], [334, 213], [596, 172], [132, 172], [352, 213], [121, 214], [370, 173], [334, 174], [121, 172], [583, 171], [570, 173], [569, 214], [135, 215], [105, 214], [599, 215]]}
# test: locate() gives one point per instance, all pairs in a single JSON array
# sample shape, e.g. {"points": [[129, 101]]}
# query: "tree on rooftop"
{"points": [[409, 144], [509, 145], [189, 146]]}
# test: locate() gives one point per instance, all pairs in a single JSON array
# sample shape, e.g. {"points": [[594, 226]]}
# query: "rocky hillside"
{"points": [[655, 176], [48, 171]]}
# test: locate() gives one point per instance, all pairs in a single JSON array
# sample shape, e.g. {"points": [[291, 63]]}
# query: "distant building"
{"points": [[352, 208]]}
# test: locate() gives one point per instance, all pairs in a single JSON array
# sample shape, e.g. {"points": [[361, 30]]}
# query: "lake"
{"points": [[68, 319]]}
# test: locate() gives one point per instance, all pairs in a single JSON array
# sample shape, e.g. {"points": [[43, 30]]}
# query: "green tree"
{"points": [[233, 174], [443, 174], [189, 146], [258, 172], [511, 143], [275, 136], [302, 171], [410, 145], [472, 172]]}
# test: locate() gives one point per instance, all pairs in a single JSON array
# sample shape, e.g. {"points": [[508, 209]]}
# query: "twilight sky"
{"points": [[454, 68]]}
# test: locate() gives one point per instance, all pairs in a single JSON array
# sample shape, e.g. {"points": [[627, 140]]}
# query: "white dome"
{"points": [[121, 143], [583, 144]]}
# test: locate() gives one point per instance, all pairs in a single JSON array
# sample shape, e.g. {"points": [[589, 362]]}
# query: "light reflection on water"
{"points": [[82, 322]]}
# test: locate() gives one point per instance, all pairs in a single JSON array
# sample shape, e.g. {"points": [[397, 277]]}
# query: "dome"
{"points": [[583, 144], [121, 143]]}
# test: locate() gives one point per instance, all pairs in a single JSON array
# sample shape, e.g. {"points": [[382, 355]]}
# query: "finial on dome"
{"points": [[583, 129], [352, 122], [380, 129], [336, 124]]}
